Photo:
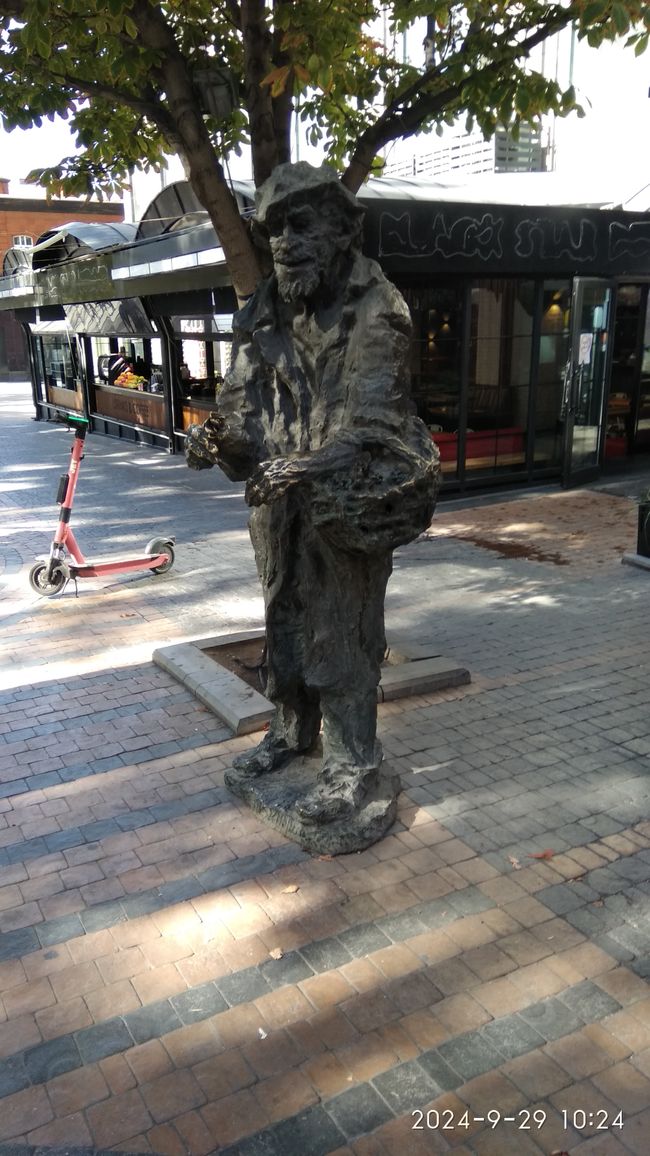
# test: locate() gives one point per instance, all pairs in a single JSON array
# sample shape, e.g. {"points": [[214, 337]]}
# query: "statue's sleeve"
{"points": [[377, 367], [240, 403]]}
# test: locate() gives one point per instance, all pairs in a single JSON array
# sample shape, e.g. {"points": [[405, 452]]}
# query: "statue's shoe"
{"points": [[267, 756], [336, 795], [325, 807]]}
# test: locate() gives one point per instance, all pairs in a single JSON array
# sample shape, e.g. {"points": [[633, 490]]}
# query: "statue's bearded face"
{"points": [[304, 242]]}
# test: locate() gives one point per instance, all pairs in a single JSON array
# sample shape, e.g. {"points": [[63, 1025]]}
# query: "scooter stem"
{"points": [[65, 513]]}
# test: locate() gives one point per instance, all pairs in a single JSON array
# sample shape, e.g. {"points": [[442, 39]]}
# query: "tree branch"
{"points": [[399, 121], [151, 107], [234, 12]]}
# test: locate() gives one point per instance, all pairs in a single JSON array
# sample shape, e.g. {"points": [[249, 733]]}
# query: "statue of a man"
{"points": [[315, 414]]}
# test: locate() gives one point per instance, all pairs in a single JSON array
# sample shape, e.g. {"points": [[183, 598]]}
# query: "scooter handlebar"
{"points": [[73, 421]]}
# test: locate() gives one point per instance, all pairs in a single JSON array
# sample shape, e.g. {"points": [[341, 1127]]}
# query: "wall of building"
{"points": [[31, 217]]}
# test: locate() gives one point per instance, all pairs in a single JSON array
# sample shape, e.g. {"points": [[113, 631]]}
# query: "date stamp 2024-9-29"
{"points": [[525, 1120]]}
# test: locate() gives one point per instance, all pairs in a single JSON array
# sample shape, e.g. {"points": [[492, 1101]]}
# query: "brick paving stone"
{"points": [[104, 1039], [370, 1010], [63, 1018], [13, 1075], [579, 1054], [406, 1087], [234, 1117], [119, 1118], [193, 1044], [151, 1021], [221, 1075], [359, 1110], [589, 1001], [72, 1132], [622, 985], [52, 1058], [368, 1056], [512, 1036], [586, 1097], [103, 1002], [24, 1110], [77, 1090], [17, 1034], [326, 990], [536, 1074], [626, 1087], [285, 1095], [193, 1134], [470, 1054], [171, 1095], [283, 1007]]}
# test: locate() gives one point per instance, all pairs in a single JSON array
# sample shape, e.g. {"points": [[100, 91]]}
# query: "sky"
{"points": [[22, 150], [612, 138]]}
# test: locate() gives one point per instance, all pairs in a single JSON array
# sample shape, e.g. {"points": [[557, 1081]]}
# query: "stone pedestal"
{"points": [[273, 797]]}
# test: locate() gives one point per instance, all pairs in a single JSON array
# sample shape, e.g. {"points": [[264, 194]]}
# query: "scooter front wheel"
{"points": [[41, 584], [161, 546]]}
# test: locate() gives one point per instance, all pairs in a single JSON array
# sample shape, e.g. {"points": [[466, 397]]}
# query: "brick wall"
{"points": [[29, 216]]}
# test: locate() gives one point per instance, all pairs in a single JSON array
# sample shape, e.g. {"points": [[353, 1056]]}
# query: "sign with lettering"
{"points": [[420, 236]]}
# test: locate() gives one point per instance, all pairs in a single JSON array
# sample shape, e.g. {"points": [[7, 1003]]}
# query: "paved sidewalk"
{"points": [[177, 978]]}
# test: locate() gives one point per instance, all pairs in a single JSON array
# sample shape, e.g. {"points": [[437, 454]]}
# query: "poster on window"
{"points": [[584, 349]]}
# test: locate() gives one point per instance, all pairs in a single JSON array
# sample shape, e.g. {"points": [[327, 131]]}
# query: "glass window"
{"points": [[553, 359], [435, 366], [499, 375], [59, 359]]}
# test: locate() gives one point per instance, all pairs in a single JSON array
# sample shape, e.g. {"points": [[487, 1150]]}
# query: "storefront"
{"points": [[531, 347], [531, 352]]}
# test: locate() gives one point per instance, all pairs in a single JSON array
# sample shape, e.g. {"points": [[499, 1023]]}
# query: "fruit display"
{"points": [[130, 380]]}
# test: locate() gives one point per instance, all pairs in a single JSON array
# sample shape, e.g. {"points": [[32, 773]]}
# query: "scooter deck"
{"points": [[117, 560]]}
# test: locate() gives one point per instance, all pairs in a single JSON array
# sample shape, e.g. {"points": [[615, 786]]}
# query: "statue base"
{"points": [[273, 797]]}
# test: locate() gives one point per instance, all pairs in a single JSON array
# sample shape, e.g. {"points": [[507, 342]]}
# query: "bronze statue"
{"points": [[315, 414]]}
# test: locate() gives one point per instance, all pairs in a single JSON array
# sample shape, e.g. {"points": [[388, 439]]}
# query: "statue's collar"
{"points": [[264, 310]]}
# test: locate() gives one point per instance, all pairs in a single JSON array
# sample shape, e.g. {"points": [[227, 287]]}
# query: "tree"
{"points": [[138, 79]]}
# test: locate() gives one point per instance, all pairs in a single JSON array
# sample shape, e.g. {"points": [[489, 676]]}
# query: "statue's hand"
{"points": [[271, 480], [202, 442]]}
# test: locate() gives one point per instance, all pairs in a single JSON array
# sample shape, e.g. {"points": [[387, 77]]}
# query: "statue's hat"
{"points": [[293, 183]]}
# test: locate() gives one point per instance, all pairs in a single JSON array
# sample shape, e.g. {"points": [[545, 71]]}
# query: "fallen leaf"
{"points": [[547, 854], [276, 953], [325, 858], [290, 889], [515, 862]]}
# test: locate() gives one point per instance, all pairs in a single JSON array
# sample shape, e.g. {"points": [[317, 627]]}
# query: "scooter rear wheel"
{"points": [[41, 584], [161, 546]]}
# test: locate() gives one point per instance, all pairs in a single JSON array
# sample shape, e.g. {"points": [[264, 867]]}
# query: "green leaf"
{"points": [[621, 18]]}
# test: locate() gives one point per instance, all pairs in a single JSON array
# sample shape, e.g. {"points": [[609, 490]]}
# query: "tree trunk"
{"points": [[192, 138], [257, 65]]}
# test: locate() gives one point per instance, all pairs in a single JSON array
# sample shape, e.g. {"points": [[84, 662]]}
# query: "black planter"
{"points": [[643, 536]]}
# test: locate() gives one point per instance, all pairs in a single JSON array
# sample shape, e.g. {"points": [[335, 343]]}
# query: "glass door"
{"points": [[585, 377]]}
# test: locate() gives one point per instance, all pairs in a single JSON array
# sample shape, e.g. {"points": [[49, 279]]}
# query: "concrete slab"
{"points": [[239, 705], [636, 560], [411, 669], [421, 676]]}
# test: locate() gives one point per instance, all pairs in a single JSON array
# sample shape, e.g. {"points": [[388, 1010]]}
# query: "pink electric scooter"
{"points": [[49, 576]]}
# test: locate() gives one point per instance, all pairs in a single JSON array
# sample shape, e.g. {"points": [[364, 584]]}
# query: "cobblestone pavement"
{"points": [[177, 978]]}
